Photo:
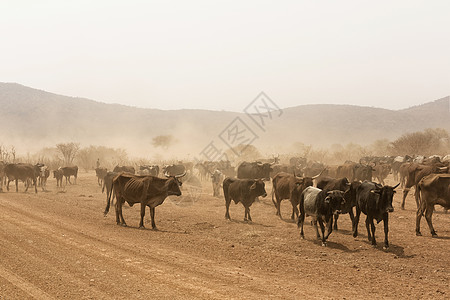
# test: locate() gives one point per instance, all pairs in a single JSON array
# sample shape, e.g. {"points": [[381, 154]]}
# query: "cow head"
{"points": [[264, 170], [335, 200], [384, 197], [257, 187], [173, 184]]}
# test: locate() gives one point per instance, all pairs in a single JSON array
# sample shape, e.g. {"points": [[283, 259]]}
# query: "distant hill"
{"points": [[32, 119]]}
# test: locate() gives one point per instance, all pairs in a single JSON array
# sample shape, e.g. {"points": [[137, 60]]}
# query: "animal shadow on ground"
{"points": [[250, 223], [336, 246]]}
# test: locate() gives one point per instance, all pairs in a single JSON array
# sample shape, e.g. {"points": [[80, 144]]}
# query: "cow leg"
{"points": [[278, 207], [7, 185], [405, 193], [322, 228], [35, 185], [336, 217], [119, 216], [316, 228], [301, 220], [419, 214], [386, 231], [294, 212], [141, 223], [417, 196], [247, 215], [17, 185], [152, 216], [355, 222], [329, 226], [428, 214], [369, 236], [227, 206], [351, 215]]}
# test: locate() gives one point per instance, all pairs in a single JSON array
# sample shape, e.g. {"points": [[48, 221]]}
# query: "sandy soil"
{"points": [[57, 244]]}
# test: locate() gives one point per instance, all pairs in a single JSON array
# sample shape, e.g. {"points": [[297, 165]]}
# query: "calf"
{"points": [[58, 174], [375, 201], [321, 205], [433, 189], [244, 191], [216, 179], [44, 173], [100, 173]]}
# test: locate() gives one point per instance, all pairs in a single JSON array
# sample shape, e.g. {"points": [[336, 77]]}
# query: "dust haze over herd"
{"points": [[37, 119]]}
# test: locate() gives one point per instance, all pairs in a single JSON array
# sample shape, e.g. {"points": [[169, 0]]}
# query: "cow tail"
{"points": [[419, 202], [273, 192], [108, 202]]}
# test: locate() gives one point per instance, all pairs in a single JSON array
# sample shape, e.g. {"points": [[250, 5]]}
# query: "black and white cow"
{"points": [[321, 205]]}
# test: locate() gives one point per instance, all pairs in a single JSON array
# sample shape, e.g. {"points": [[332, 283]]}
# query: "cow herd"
{"points": [[323, 192]]}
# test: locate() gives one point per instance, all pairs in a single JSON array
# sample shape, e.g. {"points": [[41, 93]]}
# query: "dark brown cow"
{"points": [[346, 170], [23, 172], [128, 169], [284, 185], [100, 173], [58, 174], [244, 191], [433, 189], [70, 171], [148, 190]]}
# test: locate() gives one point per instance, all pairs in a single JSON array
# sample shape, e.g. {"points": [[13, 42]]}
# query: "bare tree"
{"points": [[68, 151]]}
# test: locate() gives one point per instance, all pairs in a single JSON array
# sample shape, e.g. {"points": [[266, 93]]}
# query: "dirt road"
{"points": [[57, 245]]}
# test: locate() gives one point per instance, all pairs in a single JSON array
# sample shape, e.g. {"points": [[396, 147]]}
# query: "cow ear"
{"points": [[253, 186], [327, 199]]}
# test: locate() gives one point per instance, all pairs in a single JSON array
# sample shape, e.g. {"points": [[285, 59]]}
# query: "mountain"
{"points": [[32, 119]]}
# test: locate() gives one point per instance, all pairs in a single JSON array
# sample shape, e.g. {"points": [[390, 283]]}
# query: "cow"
{"points": [[380, 172], [415, 173], [244, 191], [70, 171], [44, 173], [100, 173], [349, 189], [321, 205], [254, 170], [108, 184], [363, 172], [128, 169], [2, 174], [149, 170], [216, 179], [23, 172], [58, 174], [289, 186], [433, 189], [375, 201], [174, 170], [346, 170], [148, 190], [313, 168]]}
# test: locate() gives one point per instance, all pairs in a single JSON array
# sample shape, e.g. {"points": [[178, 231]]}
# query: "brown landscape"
{"points": [[57, 244]]}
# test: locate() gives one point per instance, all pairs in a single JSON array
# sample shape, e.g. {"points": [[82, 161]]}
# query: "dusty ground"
{"points": [[59, 245]]}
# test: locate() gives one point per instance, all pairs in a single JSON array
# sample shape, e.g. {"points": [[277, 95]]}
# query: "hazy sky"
{"points": [[221, 54]]}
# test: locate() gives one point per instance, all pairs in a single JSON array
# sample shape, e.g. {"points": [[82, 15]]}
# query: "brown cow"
{"points": [[128, 169], [415, 173], [381, 171], [148, 190], [58, 174], [70, 171], [433, 189], [284, 185], [100, 173], [244, 191], [23, 172]]}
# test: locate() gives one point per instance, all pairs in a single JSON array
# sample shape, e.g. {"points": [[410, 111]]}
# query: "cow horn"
{"points": [[181, 175], [166, 174], [314, 177], [396, 186]]}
